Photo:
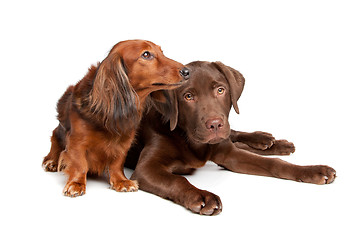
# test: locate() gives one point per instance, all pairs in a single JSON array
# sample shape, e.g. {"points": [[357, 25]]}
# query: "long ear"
{"points": [[236, 82], [113, 98], [165, 102]]}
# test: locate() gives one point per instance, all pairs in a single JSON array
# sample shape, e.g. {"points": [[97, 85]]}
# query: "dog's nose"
{"points": [[185, 73], [214, 124]]}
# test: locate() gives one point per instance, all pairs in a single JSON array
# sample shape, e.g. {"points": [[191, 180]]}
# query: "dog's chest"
{"points": [[104, 149], [195, 158]]}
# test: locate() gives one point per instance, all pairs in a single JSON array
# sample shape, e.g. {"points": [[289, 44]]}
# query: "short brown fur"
{"points": [[198, 115]]}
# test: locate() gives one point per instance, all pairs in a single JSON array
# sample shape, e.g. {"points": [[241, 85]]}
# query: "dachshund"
{"points": [[98, 116], [178, 137]]}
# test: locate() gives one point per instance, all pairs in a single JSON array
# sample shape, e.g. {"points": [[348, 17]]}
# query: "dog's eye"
{"points": [[147, 55], [221, 90], [188, 97]]}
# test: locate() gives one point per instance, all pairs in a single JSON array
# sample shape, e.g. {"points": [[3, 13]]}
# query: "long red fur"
{"points": [[98, 116]]}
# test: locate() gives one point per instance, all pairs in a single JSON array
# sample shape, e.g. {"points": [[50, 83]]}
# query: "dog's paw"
{"points": [[125, 186], [50, 165], [318, 174], [74, 189], [203, 202], [260, 140], [282, 147]]}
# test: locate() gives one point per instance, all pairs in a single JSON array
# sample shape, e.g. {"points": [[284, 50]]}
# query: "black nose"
{"points": [[214, 124], [185, 73]]}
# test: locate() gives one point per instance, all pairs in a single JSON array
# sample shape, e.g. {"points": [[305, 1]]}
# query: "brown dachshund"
{"points": [[198, 118], [98, 116]]}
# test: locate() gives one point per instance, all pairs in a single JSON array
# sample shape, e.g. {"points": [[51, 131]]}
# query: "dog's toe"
{"points": [[50, 165]]}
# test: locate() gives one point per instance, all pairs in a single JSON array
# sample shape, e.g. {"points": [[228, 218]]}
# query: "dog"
{"points": [[178, 137], [98, 116]]}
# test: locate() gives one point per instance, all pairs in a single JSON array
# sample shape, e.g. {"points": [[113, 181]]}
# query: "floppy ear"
{"points": [[159, 96], [112, 97], [165, 102], [235, 80]]}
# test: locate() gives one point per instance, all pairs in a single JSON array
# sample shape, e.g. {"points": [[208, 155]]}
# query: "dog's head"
{"points": [[201, 106], [147, 67], [132, 70]]}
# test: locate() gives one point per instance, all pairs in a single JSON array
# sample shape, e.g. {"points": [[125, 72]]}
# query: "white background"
{"points": [[301, 62]]}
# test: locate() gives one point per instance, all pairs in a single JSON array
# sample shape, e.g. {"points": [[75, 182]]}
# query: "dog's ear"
{"points": [[159, 97], [165, 102], [235, 80], [112, 97]]}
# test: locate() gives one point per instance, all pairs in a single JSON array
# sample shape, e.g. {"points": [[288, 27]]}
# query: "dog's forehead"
{"points": [[135, 46], [151, 46], [205, 74]]}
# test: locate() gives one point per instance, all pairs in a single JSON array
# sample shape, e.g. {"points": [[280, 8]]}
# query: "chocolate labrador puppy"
{"points": [[188, 126]]}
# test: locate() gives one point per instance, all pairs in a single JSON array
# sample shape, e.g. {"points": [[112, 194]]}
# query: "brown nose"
{"points": [[214, 124]]}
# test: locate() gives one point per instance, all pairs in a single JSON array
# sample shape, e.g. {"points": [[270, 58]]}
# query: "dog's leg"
{"points": [[261, 143], [117, 178], [50, 162], [73, 162], [241, 161], [279, 147], [154, 175], [257, 140]]}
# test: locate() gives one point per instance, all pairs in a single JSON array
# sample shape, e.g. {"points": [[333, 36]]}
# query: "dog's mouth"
{"points": [[206, 136], [210, 139], [215, 140], [169, 84], [158, 84]]}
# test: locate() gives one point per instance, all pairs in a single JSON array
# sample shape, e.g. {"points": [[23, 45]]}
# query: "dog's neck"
{"points": [[200, 150]]}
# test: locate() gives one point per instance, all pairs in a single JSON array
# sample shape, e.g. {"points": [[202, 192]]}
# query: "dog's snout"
{"points": [[214, 124], [185, 73]]}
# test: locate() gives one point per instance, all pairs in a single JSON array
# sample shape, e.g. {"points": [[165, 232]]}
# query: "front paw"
{"points": [[202, 202], [260, 140], [125, 186], [318, 174], [74, 189], [50, 165], [281, 147]]}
